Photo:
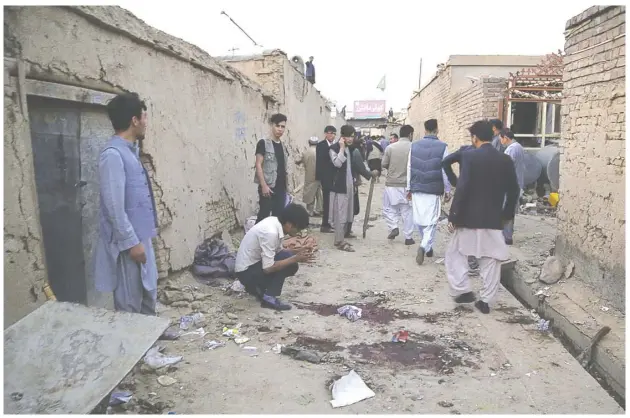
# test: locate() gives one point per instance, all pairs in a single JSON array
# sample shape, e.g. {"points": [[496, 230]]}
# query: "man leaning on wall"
{"points": [[124, 260], [271, 169]]}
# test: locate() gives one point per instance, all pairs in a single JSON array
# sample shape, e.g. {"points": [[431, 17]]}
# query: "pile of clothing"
{"points": [[213, 260]]}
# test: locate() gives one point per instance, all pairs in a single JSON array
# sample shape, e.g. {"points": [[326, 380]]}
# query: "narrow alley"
{"points": [[455, 361]]}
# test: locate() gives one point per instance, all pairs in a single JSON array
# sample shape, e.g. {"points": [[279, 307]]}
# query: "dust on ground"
{"points": [[455, 361]]}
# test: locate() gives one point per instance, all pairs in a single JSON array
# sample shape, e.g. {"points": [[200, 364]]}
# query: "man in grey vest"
{"points": [[271, 170], [426, 183], [124, 258]]}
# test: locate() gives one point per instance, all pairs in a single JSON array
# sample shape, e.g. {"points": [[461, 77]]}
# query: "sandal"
{"points": [[344, 246], [350, 236]]}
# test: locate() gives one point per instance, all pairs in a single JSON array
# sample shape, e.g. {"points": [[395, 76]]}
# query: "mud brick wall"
{"points": [[205, 118], [455, 110], [591, 213]]}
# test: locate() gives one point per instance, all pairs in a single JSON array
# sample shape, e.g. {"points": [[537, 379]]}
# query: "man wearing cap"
{"points": [[325, 172], [312, 187]]}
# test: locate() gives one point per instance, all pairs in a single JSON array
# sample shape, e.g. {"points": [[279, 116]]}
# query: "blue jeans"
{"points": [[255, 279]]}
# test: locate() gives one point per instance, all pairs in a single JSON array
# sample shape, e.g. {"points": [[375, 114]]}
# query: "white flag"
{"points": [[381, 84]]}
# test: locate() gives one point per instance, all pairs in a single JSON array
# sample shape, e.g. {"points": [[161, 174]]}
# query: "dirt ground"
{"points": [[456, 361]]}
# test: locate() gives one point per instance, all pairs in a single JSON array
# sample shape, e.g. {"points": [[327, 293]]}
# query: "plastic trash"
{"points": [[156, 360], [277, 348], [349, 390], [241, 340], [237, 286], [170, 334], [213, 345], [351, 312], [439, 261], [119, 398], [193, 335], [188, 321], [166, 380], [400, 337], [232, 332], [252, 351], [605, 309], [543, 325]]}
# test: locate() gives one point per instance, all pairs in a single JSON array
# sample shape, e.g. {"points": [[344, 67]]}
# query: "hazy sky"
{"points": [[355, 44]]}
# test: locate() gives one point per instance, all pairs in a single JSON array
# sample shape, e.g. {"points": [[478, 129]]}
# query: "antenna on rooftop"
{"points": [[242, 30]]}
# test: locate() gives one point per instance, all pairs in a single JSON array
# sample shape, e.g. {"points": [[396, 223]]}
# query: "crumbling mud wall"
{"points": [[24, 264], [204, 120], [591, 213], [306, 109], [455, 110]]}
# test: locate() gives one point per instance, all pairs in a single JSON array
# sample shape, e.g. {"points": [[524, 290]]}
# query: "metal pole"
{"points": [[420, 76], [242, 30]]}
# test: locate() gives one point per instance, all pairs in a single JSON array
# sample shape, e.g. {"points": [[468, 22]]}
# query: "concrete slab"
{"points": [[65, 358]]}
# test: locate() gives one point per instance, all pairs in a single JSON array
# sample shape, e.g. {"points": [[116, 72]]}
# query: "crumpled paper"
{"points": [[156, 360], [351, 312], [349, 390]]}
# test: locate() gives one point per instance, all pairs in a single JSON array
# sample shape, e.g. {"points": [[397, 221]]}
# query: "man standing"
{"points": [[395, 202], [341, 195], [310, 70], [312, 187], [271, 170], [124, 258], [325, 172], [516, 152], [426, 183], [497, 126], [486, 194], [262, 265]]}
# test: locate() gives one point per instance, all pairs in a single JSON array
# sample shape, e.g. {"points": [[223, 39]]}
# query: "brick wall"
{"points": [[455, 110], [591, 219]]}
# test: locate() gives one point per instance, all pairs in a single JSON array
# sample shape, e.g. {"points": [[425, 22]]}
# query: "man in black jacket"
{"points": [[325, 172], [486, 195]]}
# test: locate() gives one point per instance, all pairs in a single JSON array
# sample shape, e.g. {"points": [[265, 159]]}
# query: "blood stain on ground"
{"points": [[371, 312]]}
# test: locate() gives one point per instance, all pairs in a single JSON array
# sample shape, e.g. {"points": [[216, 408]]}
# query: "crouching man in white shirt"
{"points": [[261, 262]]}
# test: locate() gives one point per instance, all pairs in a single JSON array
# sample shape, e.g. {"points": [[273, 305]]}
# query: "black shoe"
{"points": [[326, 230], [429, 253], [509, 241], [468, 297], [482, 306], [420, 256], [277, 304], [395, 232], [410, 241]]}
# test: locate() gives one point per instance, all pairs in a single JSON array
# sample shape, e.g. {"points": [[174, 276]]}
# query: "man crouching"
{"points": [[261, 262]]}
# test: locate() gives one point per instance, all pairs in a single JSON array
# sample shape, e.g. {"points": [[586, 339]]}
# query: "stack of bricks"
{"points": [[591, 219]]}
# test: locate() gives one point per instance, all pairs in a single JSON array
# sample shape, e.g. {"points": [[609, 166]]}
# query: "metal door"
{"points": [[55, 139], [67, 139]]}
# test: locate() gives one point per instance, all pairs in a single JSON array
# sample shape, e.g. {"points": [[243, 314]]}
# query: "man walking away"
{"points": [[426, 183], [497, 126], [325, 172], [395, 202], [312, 195], [271, 170], [310, 70], [124, 258], [447, 163], [341, 196], [485, 197], [516, 152], [261, 263]]}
